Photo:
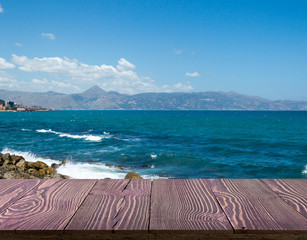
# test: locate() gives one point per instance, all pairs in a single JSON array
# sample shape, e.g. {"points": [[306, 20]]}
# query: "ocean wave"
{"points": [[26, 130], [29, 156], [305, 170], [77, 170], [153, 156], [87, 137]]}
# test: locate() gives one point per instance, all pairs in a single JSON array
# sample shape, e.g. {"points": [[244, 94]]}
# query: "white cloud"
{"points": [[7, 81], [1, 9], [18, 44], [40, 82], [194, 74], [121, 78], [45, 85], [123, 65], [5, 65], [178, 51], [48, 35]]}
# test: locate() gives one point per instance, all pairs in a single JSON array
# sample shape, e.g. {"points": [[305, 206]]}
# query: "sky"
{"points": [[254, 47]]}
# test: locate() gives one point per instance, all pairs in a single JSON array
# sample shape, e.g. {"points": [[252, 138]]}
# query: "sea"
{"points": [[161, 144]]}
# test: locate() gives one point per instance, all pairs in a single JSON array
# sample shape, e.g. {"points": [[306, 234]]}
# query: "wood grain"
{"points": [[293, 191], [12, 190], [134, 212], [250, 205], [100, 208], [48, 206], [185, 205]]}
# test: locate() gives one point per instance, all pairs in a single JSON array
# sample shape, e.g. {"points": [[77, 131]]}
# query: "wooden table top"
{"points": [[153, 209]]}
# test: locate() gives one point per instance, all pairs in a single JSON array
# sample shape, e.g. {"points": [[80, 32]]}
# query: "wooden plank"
{"points": [[134, 212], [250, 206], [100, 208], [12, 190], [185, 205], [293, 191], [48, 206]]}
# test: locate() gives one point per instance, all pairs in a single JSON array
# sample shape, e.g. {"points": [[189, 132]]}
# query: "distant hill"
{"points": [[97, 99]]}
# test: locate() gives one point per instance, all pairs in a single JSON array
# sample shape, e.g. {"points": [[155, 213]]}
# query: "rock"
{"points": [[64, 161], [16, 167], [13, 167], [6, 162], [55, 165], [33, 171], [7, 173], [112, 166], [6, 157], [21, 164], [37, 165], [15, 159], [133, 175]]}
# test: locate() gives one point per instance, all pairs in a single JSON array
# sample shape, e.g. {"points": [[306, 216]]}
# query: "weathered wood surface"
{"points": [[250, 205], [114, 205], [158, 209], [100, 207], [182, 204], [293, 191], [12, 190], [48, 206], [134, 212]]}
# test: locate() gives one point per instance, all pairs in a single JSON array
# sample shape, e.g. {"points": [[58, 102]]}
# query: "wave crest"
{"points": [[87, 137]]}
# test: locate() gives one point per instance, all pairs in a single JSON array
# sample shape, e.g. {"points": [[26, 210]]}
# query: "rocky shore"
{"points": [[16, 167]]}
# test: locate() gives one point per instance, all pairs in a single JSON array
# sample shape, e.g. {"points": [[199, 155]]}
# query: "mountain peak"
{"points": [[95, 89]]}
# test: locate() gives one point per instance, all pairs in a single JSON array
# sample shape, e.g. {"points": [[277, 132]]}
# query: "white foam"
{"points": [[305, 170], [87, 137], [25, 130], [90, 171], [29, 156], [78, 170], [44, 131], [73, 169], [153, 156], [153, 177]]}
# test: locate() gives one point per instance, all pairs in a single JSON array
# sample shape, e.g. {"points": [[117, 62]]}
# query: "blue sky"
{"points": [[251, 47]]}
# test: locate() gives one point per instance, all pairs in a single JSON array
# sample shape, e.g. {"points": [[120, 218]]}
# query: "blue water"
{"points": [[158, 144]]}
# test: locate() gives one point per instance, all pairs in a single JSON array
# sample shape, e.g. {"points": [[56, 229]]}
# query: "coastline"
{"points": [[16, 167]]}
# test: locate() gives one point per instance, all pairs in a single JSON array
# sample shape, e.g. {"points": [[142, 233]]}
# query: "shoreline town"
{"points": [[10, 106]]}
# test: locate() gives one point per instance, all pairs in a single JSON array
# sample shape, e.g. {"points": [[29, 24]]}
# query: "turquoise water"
{"points": [[157, 144]]}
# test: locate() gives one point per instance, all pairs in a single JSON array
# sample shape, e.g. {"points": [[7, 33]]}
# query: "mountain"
{"points": [[97, 99]]}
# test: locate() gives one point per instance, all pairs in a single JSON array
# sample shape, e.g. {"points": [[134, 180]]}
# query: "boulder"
{"points": [[133, 175], [55, 165], [15, 159], [33, 171], [112, 166], [37, 165], [16, 167], [6, 157], [21, 164], [6, 162]]}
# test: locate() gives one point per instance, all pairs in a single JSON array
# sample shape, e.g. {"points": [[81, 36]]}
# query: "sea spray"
{"points": [[77, 170]]}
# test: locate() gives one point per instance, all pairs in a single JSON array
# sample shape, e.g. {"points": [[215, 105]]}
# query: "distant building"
{"points": [[2, 105], [11, 106]]}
